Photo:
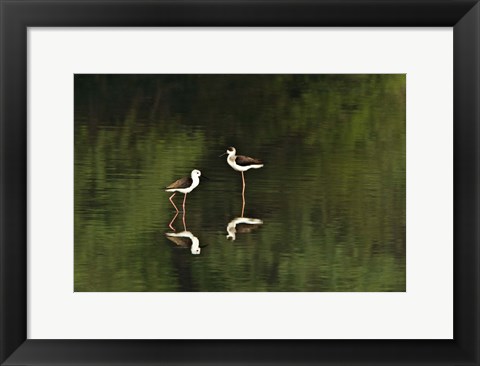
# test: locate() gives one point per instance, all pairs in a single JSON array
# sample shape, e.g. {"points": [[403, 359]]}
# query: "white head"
{"points": [[196, 173], [231, 151]]}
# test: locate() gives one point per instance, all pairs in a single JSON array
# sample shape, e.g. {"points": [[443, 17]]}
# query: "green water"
{"points": [[331, 196]]}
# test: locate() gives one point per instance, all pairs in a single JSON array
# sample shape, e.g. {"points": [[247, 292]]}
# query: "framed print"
{"points": [[238, 244], [256, 182]]}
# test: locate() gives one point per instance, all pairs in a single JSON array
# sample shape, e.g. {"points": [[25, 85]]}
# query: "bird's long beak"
{"points": [[204, 176], [222, 154]]}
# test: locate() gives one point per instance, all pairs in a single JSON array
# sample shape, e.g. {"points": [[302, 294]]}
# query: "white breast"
{"points": [[196, 182], [231, 162]]}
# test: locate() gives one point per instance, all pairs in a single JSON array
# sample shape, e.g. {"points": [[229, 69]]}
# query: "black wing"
{"points": [[245, 160], [184, 182]]}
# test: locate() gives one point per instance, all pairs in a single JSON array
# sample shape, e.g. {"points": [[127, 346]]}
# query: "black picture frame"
{"points": [[17, 15]]}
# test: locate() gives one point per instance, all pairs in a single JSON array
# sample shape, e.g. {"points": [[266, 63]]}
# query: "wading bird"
{"points": [[241, 163], [184, 185]]}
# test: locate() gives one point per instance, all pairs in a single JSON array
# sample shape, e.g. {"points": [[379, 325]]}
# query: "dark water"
{"points": [[329, 202]]}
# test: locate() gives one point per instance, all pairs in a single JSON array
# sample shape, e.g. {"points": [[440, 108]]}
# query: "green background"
{"points": [[331, 194]]}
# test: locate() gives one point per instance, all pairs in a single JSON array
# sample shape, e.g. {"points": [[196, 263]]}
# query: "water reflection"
{"points": [[242, 225], [185, 239], [170, 225]]}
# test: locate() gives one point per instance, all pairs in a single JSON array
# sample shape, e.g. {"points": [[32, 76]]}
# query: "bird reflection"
{"points": [[170, 225], [185, 239], [242, 225]]}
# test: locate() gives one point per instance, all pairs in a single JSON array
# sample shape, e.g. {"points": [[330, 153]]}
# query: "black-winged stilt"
{"points": [[184, 185], [241, 163]]}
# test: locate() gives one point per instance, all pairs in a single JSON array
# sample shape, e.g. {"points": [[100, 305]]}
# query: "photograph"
{"points": [[240, 182]]}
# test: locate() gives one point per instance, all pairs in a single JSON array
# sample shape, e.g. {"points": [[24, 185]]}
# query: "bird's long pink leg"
{"points": [[183, 219], [176, 208], [171, 222], [243, 192], [184, 202]]}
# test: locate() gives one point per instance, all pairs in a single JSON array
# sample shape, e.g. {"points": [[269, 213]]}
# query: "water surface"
{"points": [[329, 203]]}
